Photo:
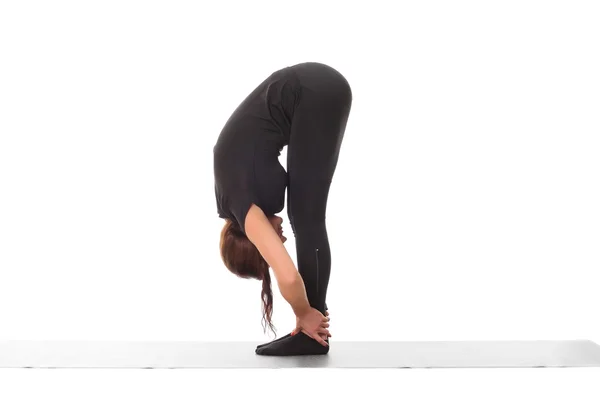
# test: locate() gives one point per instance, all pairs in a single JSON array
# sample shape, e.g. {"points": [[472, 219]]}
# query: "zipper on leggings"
{"points": [[317, 258]]}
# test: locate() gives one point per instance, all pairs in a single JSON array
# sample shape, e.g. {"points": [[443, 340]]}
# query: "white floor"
{"points": [[434, 354]]}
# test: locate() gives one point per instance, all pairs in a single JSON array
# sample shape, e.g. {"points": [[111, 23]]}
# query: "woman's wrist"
{"points": [[295, 294], [302, 310]]}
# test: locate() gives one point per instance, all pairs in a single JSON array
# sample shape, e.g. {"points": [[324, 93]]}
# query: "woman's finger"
{"points": [[320, 340], [324, 331]]}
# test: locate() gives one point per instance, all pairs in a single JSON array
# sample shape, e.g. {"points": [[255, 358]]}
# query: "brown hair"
{"points": [[241, 257]]}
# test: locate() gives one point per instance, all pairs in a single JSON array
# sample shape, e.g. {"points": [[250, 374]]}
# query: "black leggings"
{"points": [[316, 135]]}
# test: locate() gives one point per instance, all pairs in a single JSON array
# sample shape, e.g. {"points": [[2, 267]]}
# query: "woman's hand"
{"points": [[314, 324]]}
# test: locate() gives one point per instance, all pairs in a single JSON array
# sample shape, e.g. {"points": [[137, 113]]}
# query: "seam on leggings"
{"points": [[317, 258], [298, 91]]}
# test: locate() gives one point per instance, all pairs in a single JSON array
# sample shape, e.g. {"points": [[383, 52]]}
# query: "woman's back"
{"points": [[246, 163]]}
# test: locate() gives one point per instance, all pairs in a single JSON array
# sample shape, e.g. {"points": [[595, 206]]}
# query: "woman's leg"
{"points": [[317, 131], [318, 128]]}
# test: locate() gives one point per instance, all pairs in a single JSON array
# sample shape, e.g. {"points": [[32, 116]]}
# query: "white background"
{"points": [[464, 206]]}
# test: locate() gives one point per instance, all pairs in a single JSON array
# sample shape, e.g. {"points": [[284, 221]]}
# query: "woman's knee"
{"points": [[309, 225]]}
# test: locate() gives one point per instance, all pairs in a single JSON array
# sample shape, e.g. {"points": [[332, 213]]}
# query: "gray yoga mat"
{"points": [[188, 354]]}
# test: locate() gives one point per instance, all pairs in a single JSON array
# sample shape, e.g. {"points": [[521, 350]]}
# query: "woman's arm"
{"points": [[261, 233]]}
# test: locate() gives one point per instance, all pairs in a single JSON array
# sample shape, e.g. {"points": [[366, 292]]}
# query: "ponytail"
{"points": [[267, 300], [241, 257]]}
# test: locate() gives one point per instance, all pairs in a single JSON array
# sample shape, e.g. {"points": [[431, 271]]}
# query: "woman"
{"points": [[305, 107]]}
